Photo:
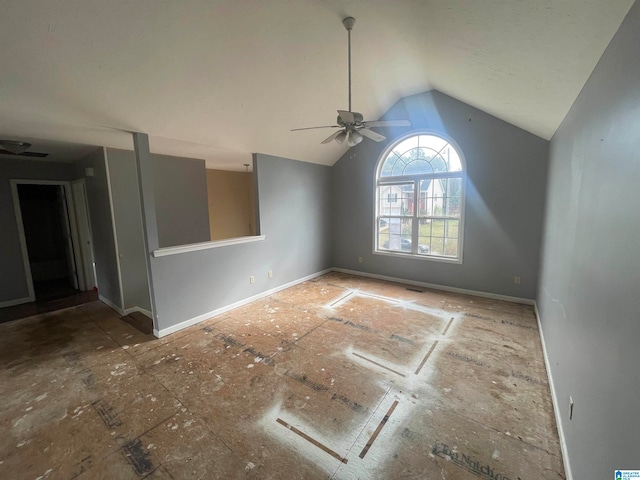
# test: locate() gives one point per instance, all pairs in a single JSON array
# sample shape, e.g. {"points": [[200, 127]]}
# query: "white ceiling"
{"points": [[221, 79]]}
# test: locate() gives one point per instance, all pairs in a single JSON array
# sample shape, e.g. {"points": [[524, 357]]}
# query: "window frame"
{"points": [[415, 217]]}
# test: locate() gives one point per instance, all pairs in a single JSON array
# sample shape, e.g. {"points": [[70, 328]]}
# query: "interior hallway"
{"points": [[338, 377]]}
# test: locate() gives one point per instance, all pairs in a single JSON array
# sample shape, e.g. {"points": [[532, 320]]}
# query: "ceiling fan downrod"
{"points": [[348, 23], [352, 125]]}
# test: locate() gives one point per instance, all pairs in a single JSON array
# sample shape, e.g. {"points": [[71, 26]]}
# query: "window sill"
{"points": [[418, 257], [163, 252]]}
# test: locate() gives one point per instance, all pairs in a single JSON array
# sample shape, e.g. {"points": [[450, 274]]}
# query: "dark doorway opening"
{"points": [[45, 217]]}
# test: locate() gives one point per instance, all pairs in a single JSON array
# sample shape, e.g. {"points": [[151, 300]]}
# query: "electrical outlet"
{"points": [[252, 279], [270, 274], [360, 260], [516, 280]]}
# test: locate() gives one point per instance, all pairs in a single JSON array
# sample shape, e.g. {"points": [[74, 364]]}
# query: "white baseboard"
{"points": [[143, 311], [16, 301], [192, 321], [221, 310], [110, 304], [434, 286], [126, 311], [554, 399]]}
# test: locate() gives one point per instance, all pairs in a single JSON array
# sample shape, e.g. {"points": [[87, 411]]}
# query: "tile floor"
{"points": [[341, 377]]}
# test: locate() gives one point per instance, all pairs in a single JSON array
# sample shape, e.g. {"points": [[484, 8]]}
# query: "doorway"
{"points": [[49, 237]]}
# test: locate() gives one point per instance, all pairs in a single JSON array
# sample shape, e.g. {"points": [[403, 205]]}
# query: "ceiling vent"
{"points": [[23, 154], [17, 148]]}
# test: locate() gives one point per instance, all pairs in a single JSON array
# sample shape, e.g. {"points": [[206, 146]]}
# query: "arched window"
{"points": [[420, 199]]}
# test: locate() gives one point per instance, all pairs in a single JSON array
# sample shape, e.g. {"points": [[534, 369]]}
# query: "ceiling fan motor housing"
{"points": [[358, 118]]}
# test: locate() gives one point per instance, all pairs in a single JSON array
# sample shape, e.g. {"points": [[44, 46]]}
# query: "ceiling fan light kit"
{"points": [[355, 138], [353, 127], [340, 137]]}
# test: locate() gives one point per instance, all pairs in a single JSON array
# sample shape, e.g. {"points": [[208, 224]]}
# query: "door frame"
{"points": [[23, 240], [81, 208]]}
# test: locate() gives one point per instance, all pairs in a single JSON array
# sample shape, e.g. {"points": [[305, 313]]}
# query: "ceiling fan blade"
{"points": [[372, 135], [388, 123], [312, 128], [347, 117], [332, 137]]}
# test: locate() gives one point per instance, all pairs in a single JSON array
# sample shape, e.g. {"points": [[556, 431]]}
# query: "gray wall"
{"points": [[507, 170], [13, 282], [590, 281], [104, 247], [182, 203], [128, 218], [294, 215]]}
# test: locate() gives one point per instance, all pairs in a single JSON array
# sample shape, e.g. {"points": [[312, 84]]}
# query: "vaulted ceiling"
{"points": [[221, 79]]}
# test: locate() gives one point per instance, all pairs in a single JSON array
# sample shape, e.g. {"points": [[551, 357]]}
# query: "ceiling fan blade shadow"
{"points": [[347, 117], [313, 128], [332, 137], [388, 123], [372, 135]]}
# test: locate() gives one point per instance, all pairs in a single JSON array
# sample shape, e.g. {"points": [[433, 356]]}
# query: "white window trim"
{"points": [[412, 178]]}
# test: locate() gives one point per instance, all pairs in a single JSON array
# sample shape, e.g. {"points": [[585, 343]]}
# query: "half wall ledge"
{"points": [[163, 252]]}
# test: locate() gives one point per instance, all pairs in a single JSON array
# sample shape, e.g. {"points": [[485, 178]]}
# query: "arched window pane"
{"points": [[421, 154], [415, 167], [420, 199]]}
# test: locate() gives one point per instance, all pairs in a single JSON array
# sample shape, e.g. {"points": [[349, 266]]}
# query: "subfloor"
{"points": [[47, 305], [340, 377]]}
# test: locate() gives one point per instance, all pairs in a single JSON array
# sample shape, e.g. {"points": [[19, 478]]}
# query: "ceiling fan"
{"points": [[353, 127]]}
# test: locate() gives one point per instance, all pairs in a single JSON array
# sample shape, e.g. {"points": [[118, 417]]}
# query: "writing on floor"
{"points": [[467, 359], [467, 462], [528, 378], [528, 327], [107, 413], [138, 457], [344, 400]]}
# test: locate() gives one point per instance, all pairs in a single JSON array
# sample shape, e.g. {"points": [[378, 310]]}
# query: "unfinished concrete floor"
{"points": [[340, 377]]}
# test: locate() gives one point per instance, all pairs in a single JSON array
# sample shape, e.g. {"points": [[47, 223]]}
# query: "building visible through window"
{"points": [[420, 199]]}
